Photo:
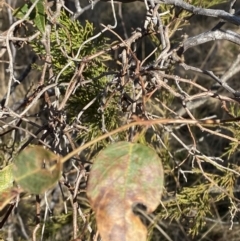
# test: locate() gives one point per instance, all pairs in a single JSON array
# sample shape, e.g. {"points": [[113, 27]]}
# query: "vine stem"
{"points": [[123, 128]]}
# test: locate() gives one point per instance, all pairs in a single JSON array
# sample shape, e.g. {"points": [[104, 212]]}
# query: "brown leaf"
{"points": [[123, 175], [7, 196]]}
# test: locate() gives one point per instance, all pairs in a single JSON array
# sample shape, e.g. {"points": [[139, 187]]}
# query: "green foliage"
{"points": [[38, 15], [183, 14], [66, 40], [56, 225], [67, 37], [178, 18], [193, 205], [234, 128], [97, 100]]}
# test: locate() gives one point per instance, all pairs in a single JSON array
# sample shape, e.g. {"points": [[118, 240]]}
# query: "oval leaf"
{"points": [[39, 19], [6, 178], [122, 176], [36, 169]]}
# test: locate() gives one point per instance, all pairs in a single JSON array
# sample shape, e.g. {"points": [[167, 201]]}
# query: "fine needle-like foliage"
{"points": [[119, 122]]}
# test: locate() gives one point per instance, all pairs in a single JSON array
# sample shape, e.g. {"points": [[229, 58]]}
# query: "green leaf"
{"points": [[38, 14], [7, 191], [39, 19], [21, 11], [36, 169], [122, 176], [6, 178]]}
